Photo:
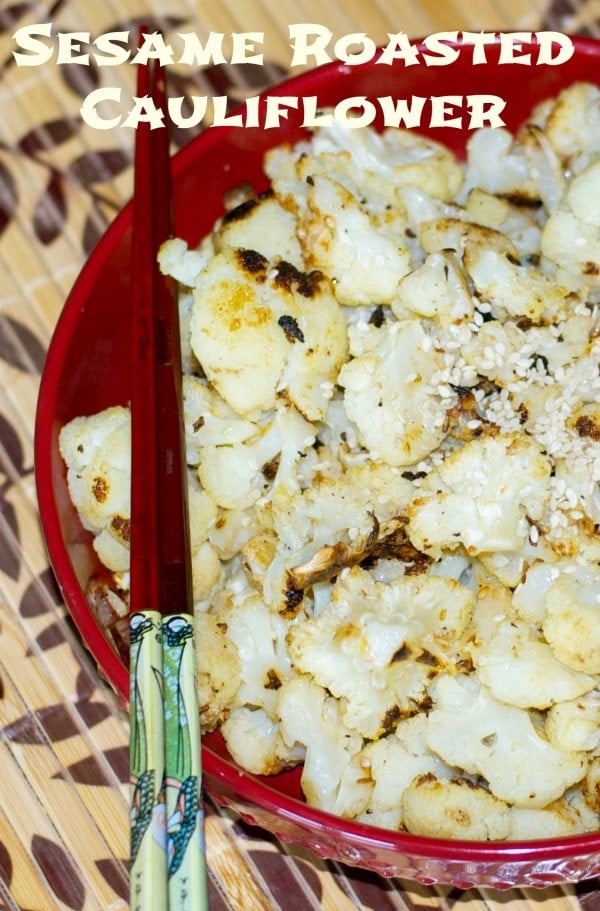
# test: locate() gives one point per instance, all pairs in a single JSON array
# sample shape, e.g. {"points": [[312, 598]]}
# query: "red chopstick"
{"points": [[160, 567], [168, 871]]}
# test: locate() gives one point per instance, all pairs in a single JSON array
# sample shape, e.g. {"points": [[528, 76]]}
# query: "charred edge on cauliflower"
{"points": [[244, 201], [397, 546], [293, 601], [330, 559], [289, 278], [254, 263], [291, 329]]}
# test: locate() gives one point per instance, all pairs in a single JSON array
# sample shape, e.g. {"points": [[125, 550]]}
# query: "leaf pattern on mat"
{"points": [[48, 134], [6, 867], [19, 346], [10, 559], [98, 167], [11, 452], [10, 15], [61, 874], [40, 595], [8, 197], [55, 722], [50, 210], [276, 870], [111, 871], [88, 770]]}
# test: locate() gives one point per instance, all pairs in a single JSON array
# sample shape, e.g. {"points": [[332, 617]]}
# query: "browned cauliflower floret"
{"points": [[455, 809], [261, 329]]}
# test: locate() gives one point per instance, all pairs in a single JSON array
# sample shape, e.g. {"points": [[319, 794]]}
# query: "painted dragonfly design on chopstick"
{"points": [[166, 807], [182, 777], [146, 764]]}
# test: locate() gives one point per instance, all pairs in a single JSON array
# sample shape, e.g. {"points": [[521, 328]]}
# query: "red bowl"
{"points": [[87, 370]]}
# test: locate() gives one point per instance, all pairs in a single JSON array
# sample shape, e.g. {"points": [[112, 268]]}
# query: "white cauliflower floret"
{"points": [[511, 289], [399, 416], [528, 597], [219, 669], [209, 420], [237, 475], [572, 126], [333, 777], [472, 730], [259, 636], [436, 290], [177, 260], [392, 158], [254, 741], [513, 178], [97, 453], [480, 496], [455, 809], [364, 263], [260, 328], [260, 223], [571, 236], [365, 645], [571, 623], [520, 669], [575, 725], [554, 821], [394, 762]]}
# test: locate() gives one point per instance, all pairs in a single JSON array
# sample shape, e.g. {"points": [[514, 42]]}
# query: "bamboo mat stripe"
{"points": [[63, 738]]}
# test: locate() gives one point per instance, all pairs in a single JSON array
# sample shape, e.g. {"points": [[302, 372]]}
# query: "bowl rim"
{"points": [[255, 789]]}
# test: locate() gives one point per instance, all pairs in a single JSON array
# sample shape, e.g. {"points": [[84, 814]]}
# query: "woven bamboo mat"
{"points": [[63, 740]]}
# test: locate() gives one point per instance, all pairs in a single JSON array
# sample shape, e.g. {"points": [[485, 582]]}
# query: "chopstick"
{"points": [[167, 845]]}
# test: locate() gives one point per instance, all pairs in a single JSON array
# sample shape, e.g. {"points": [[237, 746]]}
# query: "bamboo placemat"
{"points": [[63, 740]]}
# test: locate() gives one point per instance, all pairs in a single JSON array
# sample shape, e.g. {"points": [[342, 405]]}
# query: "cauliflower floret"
{"points": [[571, 236], [399, 416], [333, 777], [571, 622], [436, 290], [528, 597], [97, 453], [377, 645], [255, 742], [575, 725], [572, 126], [554, 821], [260, 223], [237, 475], [394, 762], [259, 329], [364, 264], [472, 730], [441, 808], [512, 289], [177, 260], [208, 420], [513, 178], [259, 636], [520, 669], [479, 497], [219, 669]]}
